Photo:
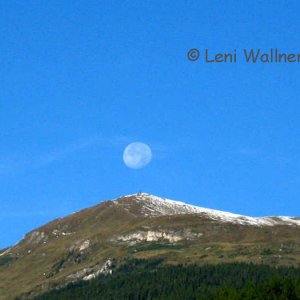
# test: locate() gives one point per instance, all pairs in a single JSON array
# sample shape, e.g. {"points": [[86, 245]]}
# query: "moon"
{"points": [[137, 155]]}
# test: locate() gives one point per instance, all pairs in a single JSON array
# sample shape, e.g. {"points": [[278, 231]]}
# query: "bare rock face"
{"points": [[36, 237], [80, 245], [104, 269], [163, 235], [91, 273]]}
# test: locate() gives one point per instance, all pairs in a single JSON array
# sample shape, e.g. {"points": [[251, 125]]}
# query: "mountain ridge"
{"points": [[183, 208], [164, 206]]}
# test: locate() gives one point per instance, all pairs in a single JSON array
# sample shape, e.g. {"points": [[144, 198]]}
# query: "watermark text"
{"points": [[272, 55]]}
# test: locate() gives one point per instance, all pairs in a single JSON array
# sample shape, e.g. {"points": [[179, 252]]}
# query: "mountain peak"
{"points": [[151, 206], [139, 195]]}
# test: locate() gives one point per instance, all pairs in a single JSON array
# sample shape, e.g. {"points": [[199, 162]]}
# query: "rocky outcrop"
{"points": [[35, 238], [157, 235], [91, 273]]}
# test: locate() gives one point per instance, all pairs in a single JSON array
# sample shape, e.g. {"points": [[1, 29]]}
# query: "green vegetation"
{"points": [[267, 251], [6, 259], [149, 279], [154, 246]]}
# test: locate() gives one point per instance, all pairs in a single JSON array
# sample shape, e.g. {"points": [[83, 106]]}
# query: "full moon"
{"points": [[137, 155]]}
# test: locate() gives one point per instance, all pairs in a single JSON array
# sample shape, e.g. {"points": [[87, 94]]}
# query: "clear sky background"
{"points": [[82, 79]]}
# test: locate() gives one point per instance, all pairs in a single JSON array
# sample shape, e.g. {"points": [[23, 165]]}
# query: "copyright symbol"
{"points": [[193, 54]]}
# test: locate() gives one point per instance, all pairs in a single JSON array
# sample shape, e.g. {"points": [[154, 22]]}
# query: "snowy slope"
{"points": [[156, 206]]}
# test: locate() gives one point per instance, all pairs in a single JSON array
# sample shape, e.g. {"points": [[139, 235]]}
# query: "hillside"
{"points": [[97, 240]]}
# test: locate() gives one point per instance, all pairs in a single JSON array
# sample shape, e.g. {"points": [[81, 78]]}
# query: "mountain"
{"points": [[96, 240]]}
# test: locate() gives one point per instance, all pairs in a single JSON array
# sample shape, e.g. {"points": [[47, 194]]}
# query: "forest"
{"points": [[151, 279]]}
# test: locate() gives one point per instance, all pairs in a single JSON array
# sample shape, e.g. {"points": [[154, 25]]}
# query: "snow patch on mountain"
{"points": [[155, 206]]}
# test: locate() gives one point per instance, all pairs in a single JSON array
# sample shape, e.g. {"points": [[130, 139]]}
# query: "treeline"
{"points": [[139, 279]]}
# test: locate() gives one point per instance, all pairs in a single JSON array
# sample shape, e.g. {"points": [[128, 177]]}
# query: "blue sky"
{"points": [[80, 80]]}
